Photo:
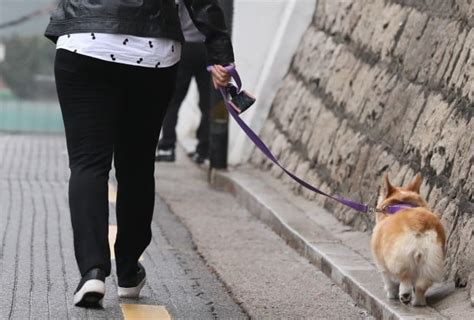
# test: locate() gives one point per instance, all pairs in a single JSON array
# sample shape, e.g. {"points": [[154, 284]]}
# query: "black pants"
{"points": [[111, 111], [193, 64]]}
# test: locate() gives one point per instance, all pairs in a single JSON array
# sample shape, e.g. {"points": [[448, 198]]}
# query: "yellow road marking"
{"points": [[145, 312], [112, 194], [112, 237]]}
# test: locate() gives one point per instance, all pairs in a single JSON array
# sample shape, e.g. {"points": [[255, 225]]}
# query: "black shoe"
{"points": [[198, 158], [130, 288], [91, 290], [165, 155]]}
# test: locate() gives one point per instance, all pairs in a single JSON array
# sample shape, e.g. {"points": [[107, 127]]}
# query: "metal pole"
{"points": [[219, 123]]}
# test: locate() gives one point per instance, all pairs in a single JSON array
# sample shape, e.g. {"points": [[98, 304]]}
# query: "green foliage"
{"points": [[26, 58]]}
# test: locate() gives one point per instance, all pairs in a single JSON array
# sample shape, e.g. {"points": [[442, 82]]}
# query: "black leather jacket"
{"points": [[146, 18]]}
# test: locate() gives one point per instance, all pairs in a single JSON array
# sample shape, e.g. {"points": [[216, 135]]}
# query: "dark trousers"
{"points": [[193, 64], [110, 111]]}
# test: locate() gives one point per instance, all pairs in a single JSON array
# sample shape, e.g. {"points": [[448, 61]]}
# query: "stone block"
{"points": [[366, 29], [360, 168], [353, 17], [315, 107], [288, 104], [332, 15], [397, 113], [378, 27], [451, 147], [471, 288], [403, 176], [390, 25], [469, 182], [321, 141], [299, 124], [280, 144], [429, 125], [380, 163], [463, 74], [415, 102], [339, 81], [463, 264], [414, 28], [425, 49], [343, 156], [362, 89], [465, 9], [437, 201], [440, 6], [369, 107], [443, 55], [314, 60], [458, 47]]}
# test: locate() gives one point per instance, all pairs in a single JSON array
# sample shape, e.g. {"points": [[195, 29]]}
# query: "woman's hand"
{"points": [[220, 76]]}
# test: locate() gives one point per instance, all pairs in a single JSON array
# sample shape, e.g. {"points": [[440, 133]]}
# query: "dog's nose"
{"points": [[405, 298]]}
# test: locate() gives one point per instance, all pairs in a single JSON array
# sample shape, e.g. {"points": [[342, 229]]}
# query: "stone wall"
{"points": [[382, 87]]}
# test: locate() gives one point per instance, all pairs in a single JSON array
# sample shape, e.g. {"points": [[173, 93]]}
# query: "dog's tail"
{"points": [[428, 256]]}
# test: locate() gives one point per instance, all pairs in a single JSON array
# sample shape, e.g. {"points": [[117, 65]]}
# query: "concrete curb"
{"points": [[471, 289], [352, 272]]}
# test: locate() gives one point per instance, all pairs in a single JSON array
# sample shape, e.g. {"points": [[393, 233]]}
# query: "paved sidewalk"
{"points": [[37, 265], [268, 278]]}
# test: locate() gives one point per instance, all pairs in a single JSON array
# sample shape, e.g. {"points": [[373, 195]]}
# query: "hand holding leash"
{"points": [[220, 76]]}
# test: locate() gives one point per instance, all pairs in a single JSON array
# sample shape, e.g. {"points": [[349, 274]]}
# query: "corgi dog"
{"points": [[408, 245]]}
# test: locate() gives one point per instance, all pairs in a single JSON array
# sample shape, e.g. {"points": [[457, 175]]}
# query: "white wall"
{"points": [[266, 35]]}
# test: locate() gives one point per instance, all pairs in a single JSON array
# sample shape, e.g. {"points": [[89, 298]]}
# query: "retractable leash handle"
{"points": [[240, 100], [365, 208]]}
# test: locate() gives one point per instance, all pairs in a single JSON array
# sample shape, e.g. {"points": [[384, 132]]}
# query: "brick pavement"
{"points": [[37, 266]]}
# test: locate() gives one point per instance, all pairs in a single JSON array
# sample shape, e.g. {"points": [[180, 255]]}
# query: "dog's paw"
{"points": [[405, 298], [405, 293]]}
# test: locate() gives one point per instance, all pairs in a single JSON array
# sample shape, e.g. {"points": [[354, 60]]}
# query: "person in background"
{"points": [[193, 64], [115, 71]]}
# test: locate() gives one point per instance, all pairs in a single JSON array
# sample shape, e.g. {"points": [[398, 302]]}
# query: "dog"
{"points": [[408, 246]]}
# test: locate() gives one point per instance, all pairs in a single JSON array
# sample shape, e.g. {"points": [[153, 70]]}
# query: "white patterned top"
{"points": [[125, 49]]}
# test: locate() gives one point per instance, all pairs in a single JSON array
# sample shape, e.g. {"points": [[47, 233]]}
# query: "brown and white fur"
{"points": [[408, 246]]}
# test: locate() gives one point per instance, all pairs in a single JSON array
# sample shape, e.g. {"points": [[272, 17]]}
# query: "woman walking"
{"points": [[115, 72]]}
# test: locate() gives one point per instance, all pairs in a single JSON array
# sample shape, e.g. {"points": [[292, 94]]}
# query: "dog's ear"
{"points": [[389, 189], [415, 184]]}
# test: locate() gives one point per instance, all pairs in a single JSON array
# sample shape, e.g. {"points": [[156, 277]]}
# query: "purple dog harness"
{"points": [[365, 208]]}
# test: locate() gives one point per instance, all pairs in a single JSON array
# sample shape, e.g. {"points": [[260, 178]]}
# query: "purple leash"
{"points": [[266, 151]]}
